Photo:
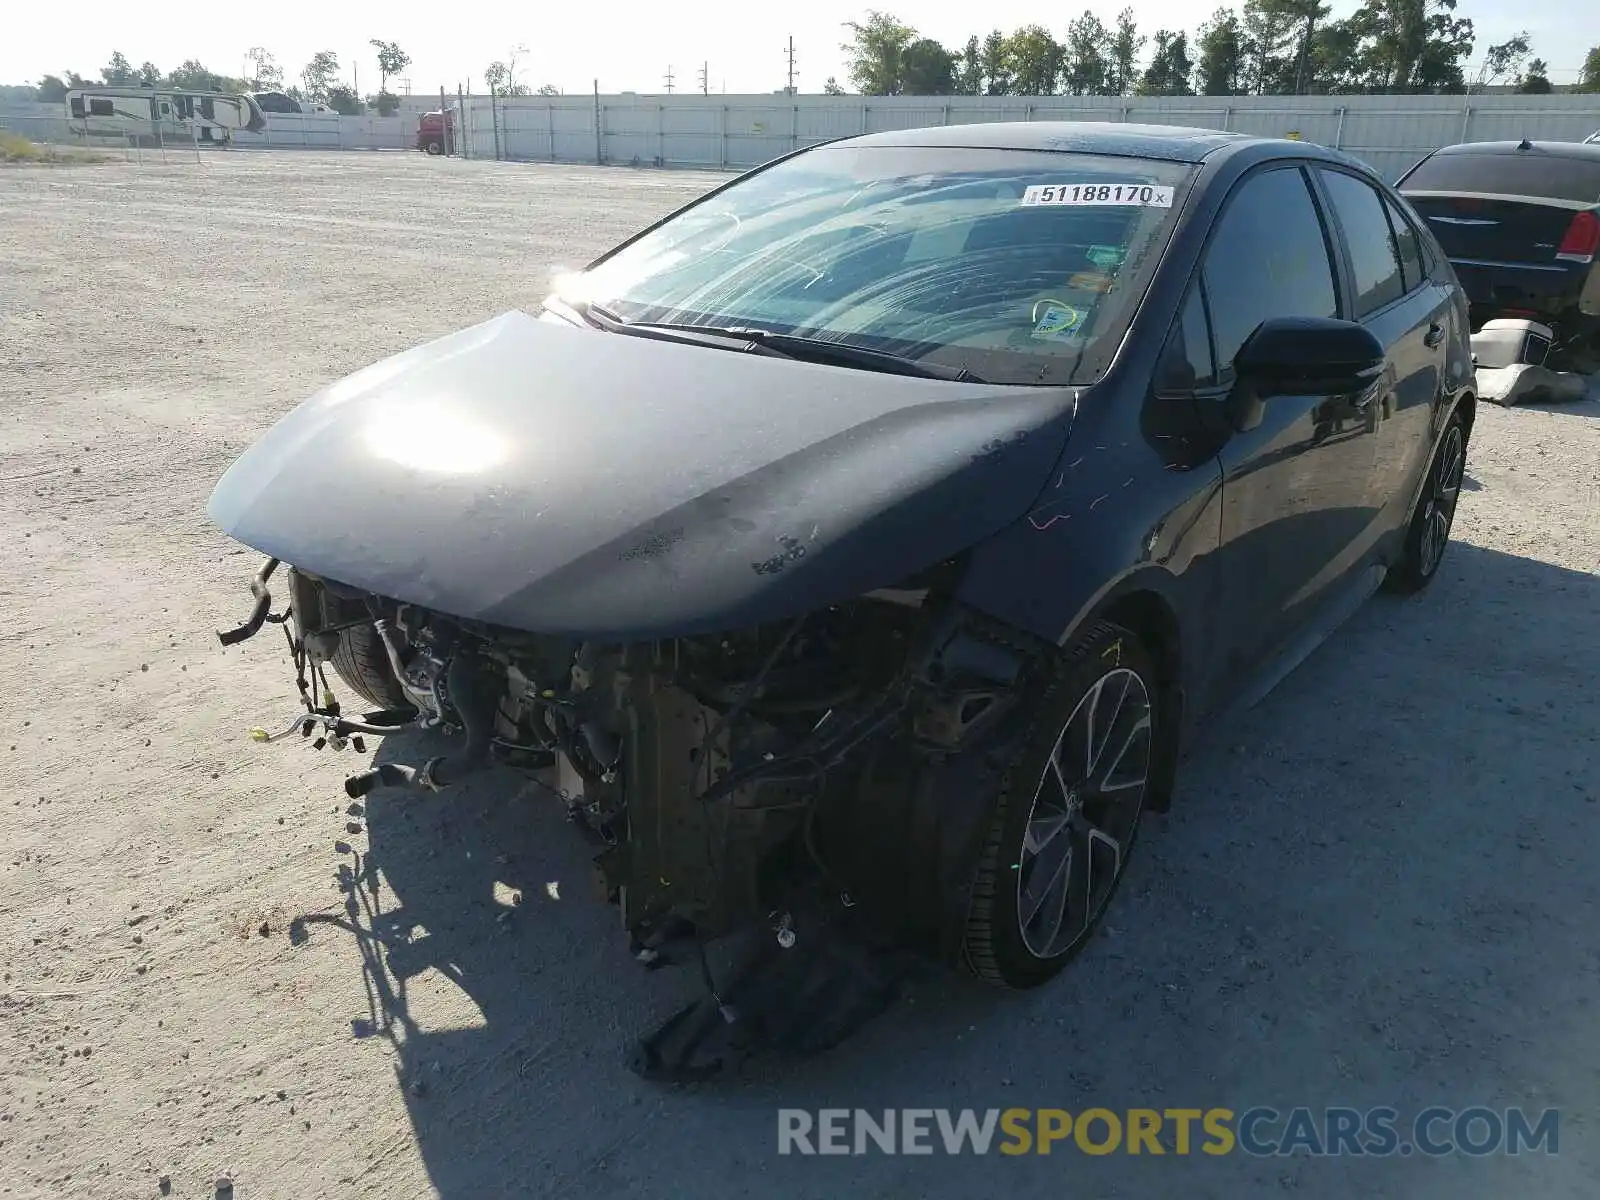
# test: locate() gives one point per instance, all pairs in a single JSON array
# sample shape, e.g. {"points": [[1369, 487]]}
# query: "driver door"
{"points": [[1298, 496]]}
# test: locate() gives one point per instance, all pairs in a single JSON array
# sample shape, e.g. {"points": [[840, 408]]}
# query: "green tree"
{"points": [[1334, 60], [344, 101], [501, 75], [1126, 42], [193, 76], [265, 73], [1537, 80], [52, 89], [1410, 46], [1589, 78], [1503, 60], [119, 71], [550, 89], [1446, 45], [391, 61], [969, 71], [1170, 66], [149, 74], [320, 76], [1088, 65], [927, 69], [501, 79], [1036, 59], [832, 87], [1268, 41], [875, 53], [998, 71], [1306, 19], [1222, 54]]}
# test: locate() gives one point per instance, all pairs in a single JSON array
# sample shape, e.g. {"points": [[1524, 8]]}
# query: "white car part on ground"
{"points": [[1509, 356]]}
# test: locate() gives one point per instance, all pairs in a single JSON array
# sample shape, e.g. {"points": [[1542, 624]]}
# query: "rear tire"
{"points": [[1428, 533], [363, 663], [435, 148], [1067, 813]]}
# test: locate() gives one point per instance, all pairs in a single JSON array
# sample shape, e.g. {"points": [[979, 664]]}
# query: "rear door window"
{"points": [[1510, 173], [1410, 246], [1267, 258], [1374, 258]]}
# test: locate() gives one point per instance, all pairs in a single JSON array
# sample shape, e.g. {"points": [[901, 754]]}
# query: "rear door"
{"points": [[1391, 294], [1298, 498]]}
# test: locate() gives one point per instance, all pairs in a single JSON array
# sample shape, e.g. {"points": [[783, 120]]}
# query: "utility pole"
{"points": [[705, 79], [790, 88], [669, 79]]}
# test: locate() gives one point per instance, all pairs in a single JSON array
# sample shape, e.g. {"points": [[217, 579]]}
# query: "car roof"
{"points": [[1583, 150], [1173, 143]]}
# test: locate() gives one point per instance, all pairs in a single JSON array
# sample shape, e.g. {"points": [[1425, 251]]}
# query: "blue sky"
{"points": [[626, 44]]}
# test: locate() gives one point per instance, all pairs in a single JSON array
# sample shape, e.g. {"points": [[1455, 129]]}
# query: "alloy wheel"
{"points": [[1440, 508], [1084, 814]]}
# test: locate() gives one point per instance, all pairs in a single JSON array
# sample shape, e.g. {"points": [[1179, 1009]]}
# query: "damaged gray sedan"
{"points": [[857, 548]]}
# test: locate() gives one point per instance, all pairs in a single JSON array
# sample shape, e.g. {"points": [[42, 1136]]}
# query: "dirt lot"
{"points": [[1379, 889]]}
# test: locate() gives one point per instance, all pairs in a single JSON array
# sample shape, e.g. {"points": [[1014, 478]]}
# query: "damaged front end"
{"points": [[800, 775], [718, 769]]}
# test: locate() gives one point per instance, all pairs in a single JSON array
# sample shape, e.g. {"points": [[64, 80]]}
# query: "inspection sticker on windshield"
{"points": [[1058, 322], [1142, 194]]}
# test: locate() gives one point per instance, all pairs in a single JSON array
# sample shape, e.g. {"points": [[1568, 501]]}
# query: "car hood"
{"points": [[557, 479]]}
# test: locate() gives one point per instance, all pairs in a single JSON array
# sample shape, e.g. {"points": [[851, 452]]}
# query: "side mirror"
{"points": [[1303, 356], [1310, 356]]}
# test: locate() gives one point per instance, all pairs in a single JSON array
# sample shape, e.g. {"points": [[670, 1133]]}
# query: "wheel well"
{"points": [[1149, 616], [1152, 619], [1467, 406]]}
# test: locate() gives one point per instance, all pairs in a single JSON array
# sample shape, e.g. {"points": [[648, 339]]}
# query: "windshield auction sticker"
{"points": [[1143, 195]]}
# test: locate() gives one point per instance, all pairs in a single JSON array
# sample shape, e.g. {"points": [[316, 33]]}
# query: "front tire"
{"points": [[361, 660], [435, 148], [1067, 813], [1428, 532]]}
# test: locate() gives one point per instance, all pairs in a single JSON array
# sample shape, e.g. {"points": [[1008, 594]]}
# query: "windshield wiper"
{"points": [[776, 345], [599, 317], [794, 345]]}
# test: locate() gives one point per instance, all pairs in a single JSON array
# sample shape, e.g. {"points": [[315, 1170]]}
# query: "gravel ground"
{"points": [[1379, 888]]}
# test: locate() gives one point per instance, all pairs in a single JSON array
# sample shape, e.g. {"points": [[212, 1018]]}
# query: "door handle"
{"points": [[1434, 336]]}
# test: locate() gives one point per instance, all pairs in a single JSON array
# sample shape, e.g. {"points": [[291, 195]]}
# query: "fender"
{"points": [[1089, 543], [1096, 543]]}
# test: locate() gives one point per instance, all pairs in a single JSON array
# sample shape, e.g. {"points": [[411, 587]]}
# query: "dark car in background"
{"points": [[277, 102], [1521, 224], [862, 542]]}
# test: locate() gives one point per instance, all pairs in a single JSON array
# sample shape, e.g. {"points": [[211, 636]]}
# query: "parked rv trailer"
{"points": [[167, 114]]}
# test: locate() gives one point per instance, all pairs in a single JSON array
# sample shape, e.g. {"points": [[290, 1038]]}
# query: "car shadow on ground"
{"points": [[1375, 888]]}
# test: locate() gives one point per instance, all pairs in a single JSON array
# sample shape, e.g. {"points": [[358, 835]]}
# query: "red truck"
{"points": [[436, 132]]}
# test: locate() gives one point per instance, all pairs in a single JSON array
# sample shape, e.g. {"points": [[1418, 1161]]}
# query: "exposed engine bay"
{"points": [[724, 775]]}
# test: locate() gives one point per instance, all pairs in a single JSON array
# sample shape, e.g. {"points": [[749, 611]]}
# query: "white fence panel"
{"points": [[1389, 132], [330, 131], [738, 132]]}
